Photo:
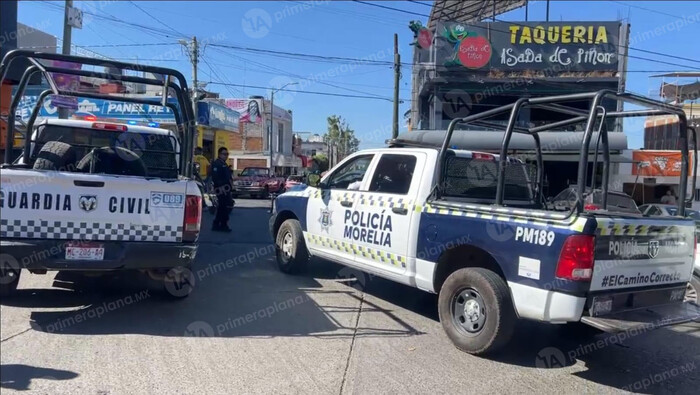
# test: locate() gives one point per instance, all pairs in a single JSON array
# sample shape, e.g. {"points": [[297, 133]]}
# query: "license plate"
{"points": [[96, 253], [601, 306]]}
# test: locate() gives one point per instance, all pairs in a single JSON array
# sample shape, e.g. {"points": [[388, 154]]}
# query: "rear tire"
{"points": [[476, 311], [290, 248], [57, 156], [9, 278]]}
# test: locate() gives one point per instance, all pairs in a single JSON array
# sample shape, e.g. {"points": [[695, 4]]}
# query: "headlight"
{"points": [[255, 184]]}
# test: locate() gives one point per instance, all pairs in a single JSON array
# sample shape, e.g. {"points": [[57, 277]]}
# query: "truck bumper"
{"points": [[646, 318], [545, 305], [51, 255], [245, 190]]}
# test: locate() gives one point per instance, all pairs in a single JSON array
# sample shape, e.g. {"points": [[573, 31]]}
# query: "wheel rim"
{"points": [[469, 311], [691, 294], [287, 245]]}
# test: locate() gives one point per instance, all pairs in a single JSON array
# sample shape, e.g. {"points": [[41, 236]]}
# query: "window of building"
{"points": [[280, 136]]}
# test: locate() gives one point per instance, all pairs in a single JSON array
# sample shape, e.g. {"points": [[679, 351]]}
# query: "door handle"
{"points": [[346, 203], [91, 184], [400, 210]]}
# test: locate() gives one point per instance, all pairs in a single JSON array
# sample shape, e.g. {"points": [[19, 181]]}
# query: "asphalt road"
{"points": [[248, 328]]}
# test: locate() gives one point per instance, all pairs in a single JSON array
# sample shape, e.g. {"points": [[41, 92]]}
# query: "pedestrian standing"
{"points": [[669, 198], [221, 175]]}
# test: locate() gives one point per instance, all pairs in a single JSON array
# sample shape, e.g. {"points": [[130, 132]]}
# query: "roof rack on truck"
{"points": [[594, 119], [48, 65]]}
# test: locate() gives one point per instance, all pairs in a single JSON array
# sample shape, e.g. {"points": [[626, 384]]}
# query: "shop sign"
{"points": [[218, 116], [555, 46], [659, 163]]}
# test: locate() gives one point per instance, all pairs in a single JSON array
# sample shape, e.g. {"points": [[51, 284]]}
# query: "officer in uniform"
{"points": [[221, 176]]}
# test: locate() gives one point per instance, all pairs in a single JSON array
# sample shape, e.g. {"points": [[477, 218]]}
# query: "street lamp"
{"points": [[272, 117]]}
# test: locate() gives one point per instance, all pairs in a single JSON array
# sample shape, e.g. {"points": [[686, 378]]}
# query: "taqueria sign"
{"points": [[559, 46]]}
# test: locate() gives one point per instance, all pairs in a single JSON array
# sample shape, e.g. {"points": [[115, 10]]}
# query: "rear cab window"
{"points": [[474, 178], [157, 151]]}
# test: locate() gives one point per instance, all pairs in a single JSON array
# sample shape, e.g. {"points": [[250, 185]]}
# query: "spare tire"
{"points": [[55, 155], [113, 160]]}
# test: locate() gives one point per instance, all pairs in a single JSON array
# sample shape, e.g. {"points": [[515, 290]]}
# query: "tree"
{"points": [[321, 161], [340, 135]]}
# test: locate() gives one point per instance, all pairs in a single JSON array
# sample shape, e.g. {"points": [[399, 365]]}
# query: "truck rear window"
{"points": [[477, 179], [156, 151]]}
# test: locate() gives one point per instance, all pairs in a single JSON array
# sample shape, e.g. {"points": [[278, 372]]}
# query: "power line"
{"points": [[391, 8], [304, 55], [305, 92], [647, 9], [157, 20]]}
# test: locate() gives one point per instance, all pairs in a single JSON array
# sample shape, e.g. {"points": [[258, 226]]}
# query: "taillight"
{"points": [[193, 218], [110, 126], [482, 156], [591, 207], [576, 258], [90, 118]]}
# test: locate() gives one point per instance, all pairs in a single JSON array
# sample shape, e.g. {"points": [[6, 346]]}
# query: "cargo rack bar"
{"points": [[557, 104], [184, 112]]}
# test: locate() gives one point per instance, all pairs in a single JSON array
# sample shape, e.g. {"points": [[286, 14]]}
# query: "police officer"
{"points": [[221, 176]]}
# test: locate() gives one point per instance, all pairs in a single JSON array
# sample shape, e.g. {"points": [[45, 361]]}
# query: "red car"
{"points": [[292, 181], [257, 182]]}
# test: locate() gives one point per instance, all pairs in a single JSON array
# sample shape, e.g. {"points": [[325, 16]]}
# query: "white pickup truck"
{"points": [[97, 195], [82, 201], [428, 218]]}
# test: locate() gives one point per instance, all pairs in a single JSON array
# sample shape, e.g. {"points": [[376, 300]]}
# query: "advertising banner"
{"points": [[556, 46], [659, 163], [105, 109], [250, 110]]}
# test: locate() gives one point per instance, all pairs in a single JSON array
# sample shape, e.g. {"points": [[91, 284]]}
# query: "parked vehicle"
{"points": [[475, 228], [293, 181], [257, 182], [95, 196], [593, 200]]}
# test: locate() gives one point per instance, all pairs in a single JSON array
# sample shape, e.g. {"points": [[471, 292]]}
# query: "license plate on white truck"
{"points": [[85, 253]]}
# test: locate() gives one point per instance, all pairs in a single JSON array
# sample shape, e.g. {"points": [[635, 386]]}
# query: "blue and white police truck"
{"points": [[476, 228]]}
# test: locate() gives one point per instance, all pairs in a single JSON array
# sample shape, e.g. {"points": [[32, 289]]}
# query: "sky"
{"points": [[339, 29]]}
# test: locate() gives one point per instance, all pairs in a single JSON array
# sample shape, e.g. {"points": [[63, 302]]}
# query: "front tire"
{"points": [[290, 248], [476, 311]]}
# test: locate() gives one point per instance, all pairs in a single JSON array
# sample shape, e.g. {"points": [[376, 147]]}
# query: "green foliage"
{"points": [[321, 161], [341, 135]]}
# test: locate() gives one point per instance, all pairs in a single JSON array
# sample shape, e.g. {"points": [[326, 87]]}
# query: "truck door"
{"points": [[327, 205], [380, 223]]}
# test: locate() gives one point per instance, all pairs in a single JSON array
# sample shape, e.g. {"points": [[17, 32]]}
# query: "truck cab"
{"points": [[475, 228]]}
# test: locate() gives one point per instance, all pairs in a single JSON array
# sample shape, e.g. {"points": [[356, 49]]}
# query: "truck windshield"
{"points": [[254, 172], [156, 151]]}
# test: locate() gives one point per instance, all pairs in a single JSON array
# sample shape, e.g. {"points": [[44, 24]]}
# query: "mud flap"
{"points": [[646, 318]]}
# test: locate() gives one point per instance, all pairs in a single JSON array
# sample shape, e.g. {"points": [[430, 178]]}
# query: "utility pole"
{"points": [[64, 113], [192, 51], [67, 29], [397, 76], [547, 11], [269, 133]]}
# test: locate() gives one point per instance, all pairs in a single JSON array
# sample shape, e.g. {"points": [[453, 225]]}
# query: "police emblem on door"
{"points": [[653, 248], [87, 202], [326, 219]]}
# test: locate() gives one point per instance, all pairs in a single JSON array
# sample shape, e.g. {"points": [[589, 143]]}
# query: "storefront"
{"points": [[464, 69], [218, 127]]}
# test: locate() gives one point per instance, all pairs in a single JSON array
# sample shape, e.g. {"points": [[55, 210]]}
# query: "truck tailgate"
{"points": [[642, 252], [75, 206]]}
